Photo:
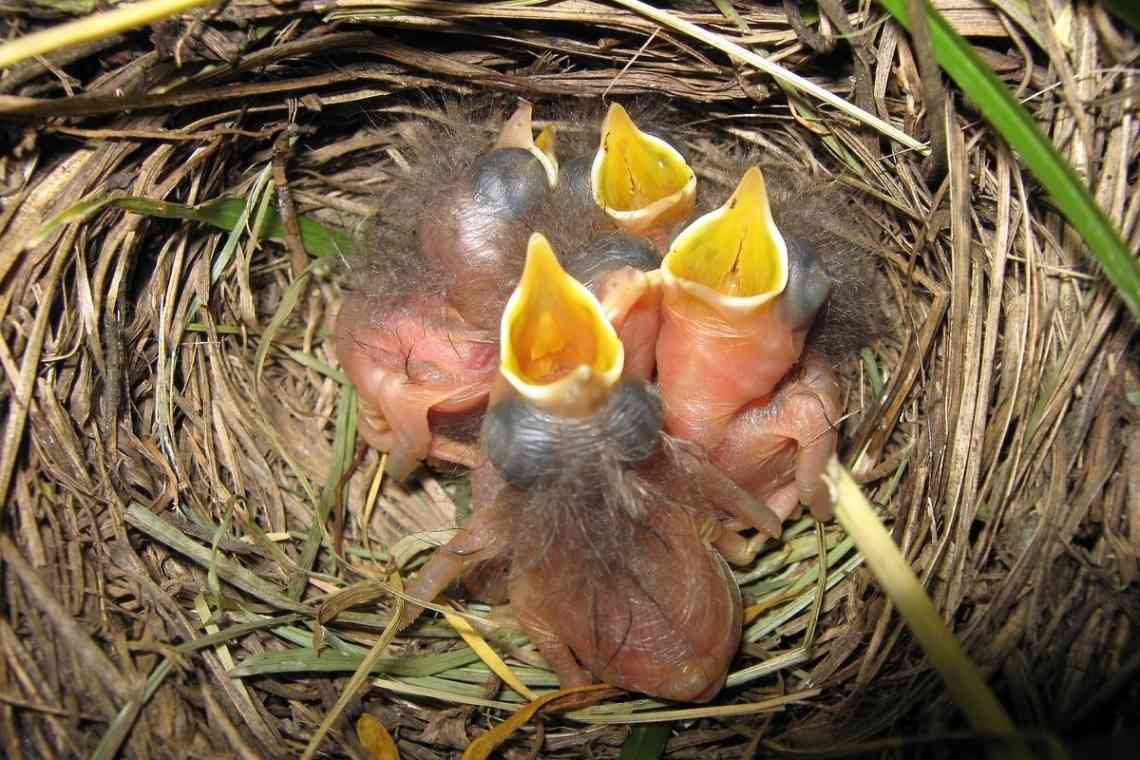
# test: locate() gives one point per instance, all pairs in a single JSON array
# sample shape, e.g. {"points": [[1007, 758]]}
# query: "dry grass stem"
{"points": [[185, 497]]}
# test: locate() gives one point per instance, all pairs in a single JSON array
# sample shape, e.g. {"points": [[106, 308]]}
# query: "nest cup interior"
{"points": [[187, 499]]}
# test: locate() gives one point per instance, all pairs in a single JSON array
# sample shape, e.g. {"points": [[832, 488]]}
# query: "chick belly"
{"points": [[668, 627], [709, 369]]}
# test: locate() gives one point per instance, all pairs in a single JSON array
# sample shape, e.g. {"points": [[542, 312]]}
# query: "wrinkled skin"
{"points": [[423, 368], [640, 625], [476, 231], [712, 365], [650, 629], [745, 392], [418, 370], [777, 448]]}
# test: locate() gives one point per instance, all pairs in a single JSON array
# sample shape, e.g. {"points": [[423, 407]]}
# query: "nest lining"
{"points": [[994, 416]]}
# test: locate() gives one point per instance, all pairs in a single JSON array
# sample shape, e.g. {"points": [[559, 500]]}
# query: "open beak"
{"points": [[518, 132], [558, 350], [641, 181], [733, 258]]}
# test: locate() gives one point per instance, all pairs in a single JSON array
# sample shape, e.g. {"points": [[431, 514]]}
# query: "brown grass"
{"points": [[166, 492]]}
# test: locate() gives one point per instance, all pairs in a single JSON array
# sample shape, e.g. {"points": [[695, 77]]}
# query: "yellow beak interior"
{"points": [[545, 142], [518, 132], [736, 250], [632, 169], [558, 349]]}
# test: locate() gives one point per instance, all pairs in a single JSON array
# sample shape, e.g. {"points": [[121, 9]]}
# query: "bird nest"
{"points": [[198, 553]]}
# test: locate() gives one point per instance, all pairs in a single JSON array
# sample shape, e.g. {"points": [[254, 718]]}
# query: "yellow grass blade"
{"points": [[488, 655], [482, 747], [961, 675], [94, 27], [370, 500]]}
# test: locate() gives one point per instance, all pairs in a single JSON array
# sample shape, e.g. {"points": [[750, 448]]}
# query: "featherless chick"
{"points": [[606, 525], [745, 368], [653, 405]]}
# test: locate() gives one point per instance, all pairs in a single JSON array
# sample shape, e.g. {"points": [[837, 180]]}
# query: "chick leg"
{"points": [[816, 449], [725, 496], [405, 407], [810, 416], [739, 550], [480, 540]]}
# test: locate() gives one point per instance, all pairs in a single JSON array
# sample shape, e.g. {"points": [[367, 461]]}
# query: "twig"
{"points": [[933, 93], [282, 147]]}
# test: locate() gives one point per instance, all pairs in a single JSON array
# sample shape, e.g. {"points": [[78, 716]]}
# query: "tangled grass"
{"points": [[187, 510]]}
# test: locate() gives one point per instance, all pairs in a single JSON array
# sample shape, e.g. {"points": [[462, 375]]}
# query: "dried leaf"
{"points": [[377, 741], [482, 747]]}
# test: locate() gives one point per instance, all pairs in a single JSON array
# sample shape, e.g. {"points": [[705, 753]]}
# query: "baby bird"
{"points": [[739, 299], [606, 523], [475, 228], [422, 376], [418, 338]]}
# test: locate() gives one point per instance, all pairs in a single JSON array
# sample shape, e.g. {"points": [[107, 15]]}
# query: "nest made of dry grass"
{"points": [[164, 465]]}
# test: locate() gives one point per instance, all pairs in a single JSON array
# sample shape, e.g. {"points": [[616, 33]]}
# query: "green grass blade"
{"points": [[1017, 126], [305, 661], [158, 529], [224, 213], [280, 315], [344, 446], [76, 213], [729, 12], [646, 742]]}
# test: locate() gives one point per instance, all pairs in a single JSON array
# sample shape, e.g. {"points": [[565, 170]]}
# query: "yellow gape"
{"points": [[639, 179], [733, 255], [557, 348]]}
